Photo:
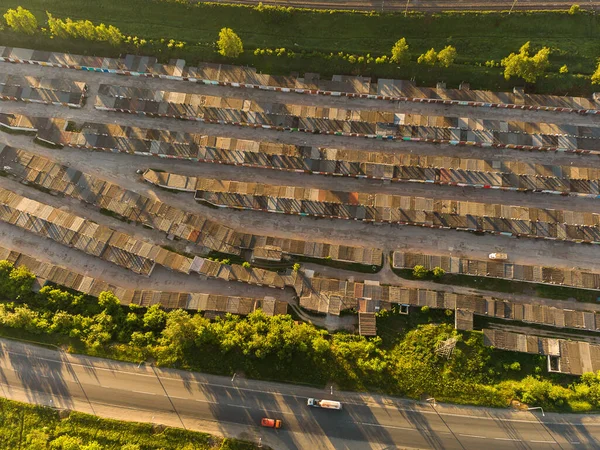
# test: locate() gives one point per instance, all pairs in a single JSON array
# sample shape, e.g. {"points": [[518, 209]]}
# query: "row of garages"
{"points": [[332, 296], [237, 111], [508, 175], [49, 91], [156, 214], [50, 273], [498, 269], [310, 83]]}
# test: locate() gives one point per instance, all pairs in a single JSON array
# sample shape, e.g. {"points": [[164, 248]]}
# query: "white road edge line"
{"points": [[473, 436], [543, 442], [507, 439]]}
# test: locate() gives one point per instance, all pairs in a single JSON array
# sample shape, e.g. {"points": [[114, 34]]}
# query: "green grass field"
{"points": [[24, 426], [478, 37]]}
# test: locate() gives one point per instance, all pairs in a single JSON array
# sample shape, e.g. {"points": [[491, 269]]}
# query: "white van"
{"points": [[326, 404]]}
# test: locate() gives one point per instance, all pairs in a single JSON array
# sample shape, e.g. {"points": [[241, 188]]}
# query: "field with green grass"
{"points": [[24, 426], [478, 38]]}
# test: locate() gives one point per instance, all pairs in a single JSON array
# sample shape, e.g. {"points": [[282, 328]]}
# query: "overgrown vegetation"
{"points": [[341, 42], [278, 348], [31, 427]]}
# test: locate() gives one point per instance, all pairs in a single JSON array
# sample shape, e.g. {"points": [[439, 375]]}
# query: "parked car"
{"points": [[270, 423], [498, 256]]}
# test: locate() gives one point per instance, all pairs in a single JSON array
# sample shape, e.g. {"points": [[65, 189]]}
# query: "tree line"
{"points": [[283, 349], [523, 64]]}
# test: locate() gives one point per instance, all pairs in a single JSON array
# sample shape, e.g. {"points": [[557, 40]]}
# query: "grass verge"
{"points": [[38, 427]]}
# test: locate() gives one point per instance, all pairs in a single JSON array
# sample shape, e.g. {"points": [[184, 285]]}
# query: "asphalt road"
{"points": [[235, 407]]}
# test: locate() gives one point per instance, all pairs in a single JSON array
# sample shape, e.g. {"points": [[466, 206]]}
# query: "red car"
{"points": [[270, 423]]}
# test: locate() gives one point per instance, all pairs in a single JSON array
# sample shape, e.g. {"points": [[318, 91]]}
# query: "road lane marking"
{"points": [[507, 439], [473, 436], [239, 406], [575, 442], [544, 442], [132, 390], [367, 404], [378, 425]]}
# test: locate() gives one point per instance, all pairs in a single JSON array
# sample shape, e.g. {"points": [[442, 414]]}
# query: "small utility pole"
{"points": [[513, 5], [406, 9]]}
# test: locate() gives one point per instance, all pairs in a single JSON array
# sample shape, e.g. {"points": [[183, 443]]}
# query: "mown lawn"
{"points": [[478, 37]]}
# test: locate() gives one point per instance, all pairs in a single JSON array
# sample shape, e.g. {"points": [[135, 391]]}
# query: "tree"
{"points": [[530, 68], [296, 267], [229, 43], [429, 58], [21, 20], [420, 271], [246, 265], [446, 56], [563, 70], [438, 272], [400, 51], [155, 318], [110, 303]]}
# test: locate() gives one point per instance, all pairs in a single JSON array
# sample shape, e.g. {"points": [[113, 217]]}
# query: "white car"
{"points": [[498, 256]]}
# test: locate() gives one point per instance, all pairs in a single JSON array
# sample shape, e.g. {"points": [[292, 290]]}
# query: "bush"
{"points": [[516, 366], [438, 272], [246, 264], [574, 9], [429, 58], [563, 70], [229, 43], [21, 20], [296, 267], [446, 56], [420, 271], [425, 309], [399, 51]]}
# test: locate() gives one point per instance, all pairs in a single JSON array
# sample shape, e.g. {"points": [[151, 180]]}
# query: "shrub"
{"points": [[446, 56], [229, 43], [564, 69], [425, 309], [296, 267], [516, 366], [449, 312], [420, 271], [574, 9], [429, 58], [246, 264], [438, 272], [400, 51], [21, 20]]}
